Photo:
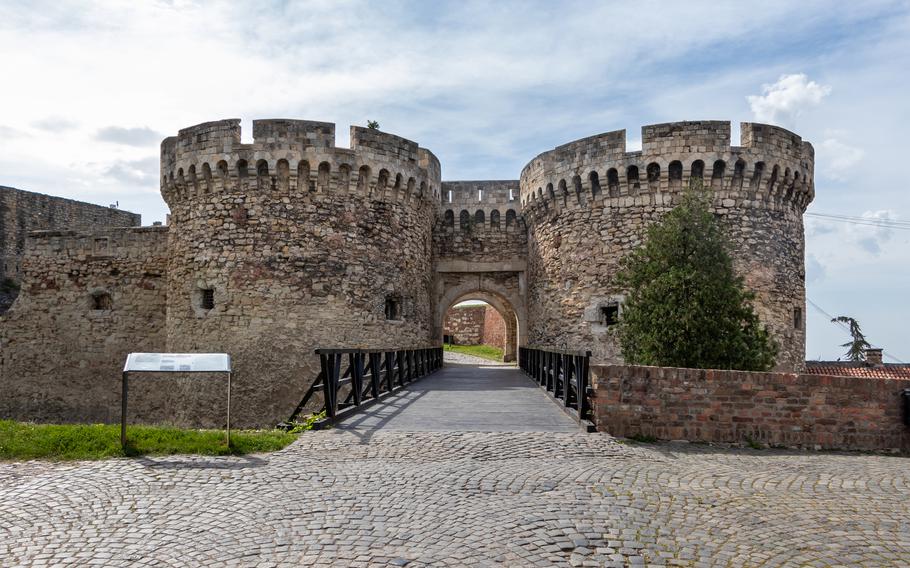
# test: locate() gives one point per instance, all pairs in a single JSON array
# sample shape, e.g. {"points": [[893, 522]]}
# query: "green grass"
{"points": [[24, 440], [482, 351]]}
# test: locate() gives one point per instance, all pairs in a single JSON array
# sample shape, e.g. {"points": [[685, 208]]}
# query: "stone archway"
{"points": [[507, 302]]}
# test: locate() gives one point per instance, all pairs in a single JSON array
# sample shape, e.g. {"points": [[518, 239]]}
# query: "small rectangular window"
{"points": [[208, 299], [392, 309], [797, 318], [609, 315], [102, 301]]}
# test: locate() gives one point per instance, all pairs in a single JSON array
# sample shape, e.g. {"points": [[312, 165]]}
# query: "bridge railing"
{"points": [[351, 379], [565, 374]]}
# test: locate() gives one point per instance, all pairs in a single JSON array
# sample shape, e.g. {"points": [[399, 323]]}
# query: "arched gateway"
{"points": [[482, 255]]}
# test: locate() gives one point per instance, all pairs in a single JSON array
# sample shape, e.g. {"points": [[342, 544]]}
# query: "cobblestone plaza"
{"points": [[368, 496]]}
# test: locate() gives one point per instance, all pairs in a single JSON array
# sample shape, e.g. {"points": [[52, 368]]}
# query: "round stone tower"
{"points": [[588, 202], [288, 244]]}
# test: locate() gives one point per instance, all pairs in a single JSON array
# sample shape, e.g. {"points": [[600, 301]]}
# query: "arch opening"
{"points": [[480, 325]]}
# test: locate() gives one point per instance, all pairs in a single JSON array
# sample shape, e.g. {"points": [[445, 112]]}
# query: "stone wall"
{"points": [[480, 221], [777, 409], [588, 203], [24, 211], [464, 325], [299, 245], [287, 244], [87, 300]]}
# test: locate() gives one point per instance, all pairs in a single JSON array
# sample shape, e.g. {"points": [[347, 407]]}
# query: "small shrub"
{"points": [[643, 438], [307, 424]]}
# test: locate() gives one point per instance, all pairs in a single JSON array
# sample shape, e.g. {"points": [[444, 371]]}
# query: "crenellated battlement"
{"points": [[493, 204], [772, 166], [295, 157], [483, 194]]}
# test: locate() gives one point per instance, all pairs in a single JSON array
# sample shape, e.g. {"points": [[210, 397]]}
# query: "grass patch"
{"points": [[25, 440], [482, 351]]}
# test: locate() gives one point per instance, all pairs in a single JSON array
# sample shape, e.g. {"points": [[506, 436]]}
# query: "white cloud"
{"points": [[144, 136], [837, 159], [135, 172], [782, 102], [815, 270], [10, 132], [871, 238], [55, 124]]}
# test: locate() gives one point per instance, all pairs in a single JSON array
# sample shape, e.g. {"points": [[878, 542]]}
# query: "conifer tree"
{"points": [[686, 307], [856, 347]]}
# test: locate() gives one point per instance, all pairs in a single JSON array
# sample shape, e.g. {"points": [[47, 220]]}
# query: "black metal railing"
{"points": [[565, 374], [351, 379]]}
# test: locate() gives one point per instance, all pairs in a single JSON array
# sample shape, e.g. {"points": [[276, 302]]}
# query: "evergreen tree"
{"points": [[856, 347], [685, 306]]}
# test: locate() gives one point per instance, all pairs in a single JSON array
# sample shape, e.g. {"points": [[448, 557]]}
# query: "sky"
{"points": [[90, 88]]}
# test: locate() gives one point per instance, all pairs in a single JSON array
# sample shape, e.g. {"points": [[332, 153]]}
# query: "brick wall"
{"points": [[494, 328], [778, 409]]}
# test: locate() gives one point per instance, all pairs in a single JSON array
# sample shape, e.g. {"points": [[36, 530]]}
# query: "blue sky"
{"points": [[90, 88]]}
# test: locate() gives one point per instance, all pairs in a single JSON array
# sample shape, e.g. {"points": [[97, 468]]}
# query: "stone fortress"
{"points": [[288, 244]]}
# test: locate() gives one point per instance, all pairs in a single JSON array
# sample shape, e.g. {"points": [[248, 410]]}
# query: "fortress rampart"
{"points": [[88, 299], [289, 243], [24, 211], [588, 202]]}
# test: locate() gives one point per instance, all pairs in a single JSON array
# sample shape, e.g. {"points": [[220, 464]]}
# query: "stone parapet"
{"points": [[293, 158]]}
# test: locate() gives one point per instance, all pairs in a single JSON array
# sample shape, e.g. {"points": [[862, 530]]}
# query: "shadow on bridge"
{"points": [[466, 398]]}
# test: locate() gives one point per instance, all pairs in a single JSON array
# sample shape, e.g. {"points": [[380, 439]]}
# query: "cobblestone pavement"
{"points": [[368, 498], [455, 359]]}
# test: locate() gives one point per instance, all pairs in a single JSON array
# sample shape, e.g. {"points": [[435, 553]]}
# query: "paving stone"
{"points": [[382, 497]]}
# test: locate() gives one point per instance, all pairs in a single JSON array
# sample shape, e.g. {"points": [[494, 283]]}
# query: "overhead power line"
{"points": [[864, 221], [845, 328], [853, 218]]}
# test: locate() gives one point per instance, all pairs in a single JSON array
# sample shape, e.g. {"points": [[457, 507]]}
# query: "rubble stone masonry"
{"points": [[464, 324], [587, 204], [88, 299], [24, 211], [302, 245], [475, 325], [287, 244]]}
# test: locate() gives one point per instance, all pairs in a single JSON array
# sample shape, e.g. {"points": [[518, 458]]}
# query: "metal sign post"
{"points": [[174, 363]]}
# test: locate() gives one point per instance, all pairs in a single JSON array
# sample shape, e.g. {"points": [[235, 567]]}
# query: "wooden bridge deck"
{"points": [[466, 398]]}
